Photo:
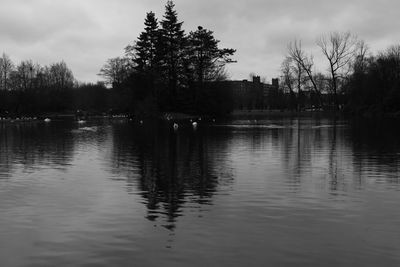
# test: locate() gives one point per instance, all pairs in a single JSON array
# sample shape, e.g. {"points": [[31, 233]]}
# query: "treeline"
{"points": [[355, 81], [374, 86], [166, 69], [29, 88]]}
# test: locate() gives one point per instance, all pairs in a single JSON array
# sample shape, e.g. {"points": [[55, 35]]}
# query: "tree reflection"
{"points": [[34, 144], [376, 147], [176, 169]]}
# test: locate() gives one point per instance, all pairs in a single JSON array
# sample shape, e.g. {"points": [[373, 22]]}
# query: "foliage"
{"points": [[115, 71], [29, 88], [374, 89], [166, 69]]}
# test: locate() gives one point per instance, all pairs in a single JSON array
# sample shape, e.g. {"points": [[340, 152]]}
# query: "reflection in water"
{"points": [[376, 149], [290, 192], [175, 168], [31, 145]]}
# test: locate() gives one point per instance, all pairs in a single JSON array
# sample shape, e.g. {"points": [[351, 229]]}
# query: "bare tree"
{"points": [[6, 68], [287, 74], [294, 77], [300, 79], [61, 76], [306, 62], [339, 49], [25, 75], [115, 71], [288, 81], [362, 51]]}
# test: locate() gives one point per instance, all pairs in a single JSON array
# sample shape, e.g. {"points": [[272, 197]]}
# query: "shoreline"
{"points": [[177, 116]]}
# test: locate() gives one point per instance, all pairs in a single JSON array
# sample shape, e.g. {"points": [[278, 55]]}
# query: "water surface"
{"points": [[276, 192]]}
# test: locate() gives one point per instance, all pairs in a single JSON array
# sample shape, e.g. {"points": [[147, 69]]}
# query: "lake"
{"points": [[271, 192]]}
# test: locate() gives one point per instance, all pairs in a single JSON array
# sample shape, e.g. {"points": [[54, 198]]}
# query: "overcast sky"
{"points": [[85, 33]]}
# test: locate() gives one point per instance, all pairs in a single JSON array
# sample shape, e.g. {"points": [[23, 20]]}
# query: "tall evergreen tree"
{"points": [[144, 52], [172, 52], [144, 57], [207, 60]]}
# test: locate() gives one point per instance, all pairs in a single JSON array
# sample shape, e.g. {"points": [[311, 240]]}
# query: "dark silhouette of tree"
{"points": [[206, 59], [297, 54], [374, 86], [144, 52], [24, 76], [92, 98], [288, 79], [56, 96], [144, 56], [30, 88], [173, 52], [339, 50], [360, 63], [23, 82], [61, 76], [6, 68], [115, 71], [288, 82], [166, 70]]}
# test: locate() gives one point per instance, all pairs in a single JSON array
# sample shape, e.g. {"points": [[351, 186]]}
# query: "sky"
{"points": [[85, 33]]}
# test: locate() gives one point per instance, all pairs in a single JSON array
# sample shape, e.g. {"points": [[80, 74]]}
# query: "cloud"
{"points": [[260, 30], [86, 33]]}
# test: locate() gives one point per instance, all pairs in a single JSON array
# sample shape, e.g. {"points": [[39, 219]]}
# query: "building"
{"points": [[250, 95]]}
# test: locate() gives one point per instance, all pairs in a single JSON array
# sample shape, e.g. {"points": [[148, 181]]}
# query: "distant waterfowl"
{"points": [[81, 121], [194, 124], [47, 120], [176, 126], [141, 122]]}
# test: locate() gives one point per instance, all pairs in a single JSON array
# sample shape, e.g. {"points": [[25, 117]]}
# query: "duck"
{"points": [[176, 126], [47, 120]]}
